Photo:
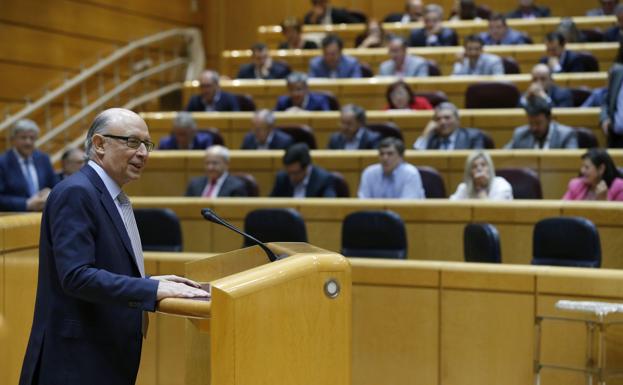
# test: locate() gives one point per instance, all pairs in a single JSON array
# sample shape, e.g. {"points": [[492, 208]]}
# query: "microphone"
{"points": [[211, 216]]}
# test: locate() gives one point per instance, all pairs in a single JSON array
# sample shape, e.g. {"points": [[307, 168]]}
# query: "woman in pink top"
{"points": [[600, 179]]}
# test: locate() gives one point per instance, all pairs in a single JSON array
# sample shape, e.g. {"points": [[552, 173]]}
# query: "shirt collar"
{"points": [[19, 156], [112, 186]]}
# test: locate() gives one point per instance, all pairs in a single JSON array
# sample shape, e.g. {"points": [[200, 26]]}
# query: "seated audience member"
{"points": [[373, 36], [500, 34], [475, 62], [292, 29], [400, 63], [211, 97], [599, 181], [300, 178], [332, 63], [184, 135], [400, 97], [217, 181], [433, 34], [542, 132], [323, 13], [392, 177], [480, 182], [299, 97], [413, 13], [558, 58], [614, 33], [263, 66], [464, 10], [543, 86], [353, 134], [264, 136], [611, 116], [445, 133], [606, 8], [71, 161], [569, 30], [26, 174], [596, 98], [528, 10]]}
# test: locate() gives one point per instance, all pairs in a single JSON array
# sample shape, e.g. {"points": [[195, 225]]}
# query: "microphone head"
{"points": [[208, 214]]}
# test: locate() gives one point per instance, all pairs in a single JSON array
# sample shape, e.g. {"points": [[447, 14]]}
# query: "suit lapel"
{"points": [[461, 139], [617, 81], [14, 165], [554, 139], [311, 184]]}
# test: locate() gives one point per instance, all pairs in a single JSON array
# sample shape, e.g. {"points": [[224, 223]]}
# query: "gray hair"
{"points": [[447, 106], [296, 77], [99, 125], [357, 111], [24, 125], [435, 8], [212, 74], [219, 150], [467, 174], [184, 119], [266, 116]]}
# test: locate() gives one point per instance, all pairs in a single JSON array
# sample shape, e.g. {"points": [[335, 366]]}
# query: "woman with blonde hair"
{"points": [[480, 182]]}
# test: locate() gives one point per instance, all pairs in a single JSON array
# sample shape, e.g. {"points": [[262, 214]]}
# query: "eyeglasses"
{"points": [[133, 142]]}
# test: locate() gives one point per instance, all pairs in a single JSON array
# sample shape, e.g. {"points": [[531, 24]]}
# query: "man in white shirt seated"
{"points": [[217, 181], [475, 62], [392, 177]]}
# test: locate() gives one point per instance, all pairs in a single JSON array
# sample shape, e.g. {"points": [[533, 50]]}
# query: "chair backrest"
{"points": [[434, 97], [487, 139], [340, 185], [366, 70], [217, 138], [358, 16], [589, 62], [586, 138], [566, 241], [386, 129], [250, 184], [300, 133], [481, 243], [525, 182], [433, 69], [159, 229], [483, 11], [579, 95], [510, 65], [492, 95], [334, 104], [592, 35], [374, 234], [275, 225], [245, 101], [432, 182]]}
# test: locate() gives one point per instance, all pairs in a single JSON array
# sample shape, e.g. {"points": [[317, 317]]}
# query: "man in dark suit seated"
{"points": [[433, 34], [528, 10], [444, 132], [353, 134], [71, 161], [413, 13], [217, 182], [300, 178], [500, 34], [332, 63], [544, 87], [263, 66], [212, 98], [299, 97], [558, 58], [264, 136], [614, 33], [184, 135], [323, 13], [542, 132], [26, 174]]}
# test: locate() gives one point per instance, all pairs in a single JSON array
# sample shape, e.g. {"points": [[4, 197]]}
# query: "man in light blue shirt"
{"points": [[392, 177]]}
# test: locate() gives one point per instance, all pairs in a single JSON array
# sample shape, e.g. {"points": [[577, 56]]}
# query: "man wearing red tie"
{"points": [[217, 182]]}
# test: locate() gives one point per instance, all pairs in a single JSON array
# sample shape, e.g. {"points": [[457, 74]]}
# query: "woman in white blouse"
{"points": [[480, 182]]}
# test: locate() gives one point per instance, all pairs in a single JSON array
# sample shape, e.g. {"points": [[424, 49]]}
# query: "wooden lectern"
{"points": [[286, 322]]}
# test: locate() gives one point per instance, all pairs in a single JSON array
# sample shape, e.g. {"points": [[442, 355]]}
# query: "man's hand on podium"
{"points": [[174, 286]]}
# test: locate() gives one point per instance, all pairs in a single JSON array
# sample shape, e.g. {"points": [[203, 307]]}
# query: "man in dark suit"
{"points": [[544, 87], [500, 34], [184, 135], [92, 290], [433, 34], [353, 134], [323, 13], [299, 97], [217, 182], [71, 162], [263, 66], [413, 13], [444, 132], [264, 136], [26, 174], [333, 63], [528, 10], [558, 58], [212, 98], [611, 117], [300, 178]]}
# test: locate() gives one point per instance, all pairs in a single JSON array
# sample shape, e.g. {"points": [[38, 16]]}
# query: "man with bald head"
{"points": [[212, 98], [543, 86], [217, 182], [92, 290], [263, 135]]}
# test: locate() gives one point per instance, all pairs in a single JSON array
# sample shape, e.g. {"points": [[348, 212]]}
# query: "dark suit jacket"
{"points": [[90, 296], [466, 138], [307, 44], [537, 10], [338, 16], [615, 80], [280, 141], [572, 62], [13, 186], [445, 37], [232, 187], [227, 102], [369, 140], [320, 185], [561, 97], [277, 70], [315, 102], [612, 33], [201, 141]]}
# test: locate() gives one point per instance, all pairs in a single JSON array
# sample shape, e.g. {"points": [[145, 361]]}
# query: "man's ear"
{"points": [[98, 144]]}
